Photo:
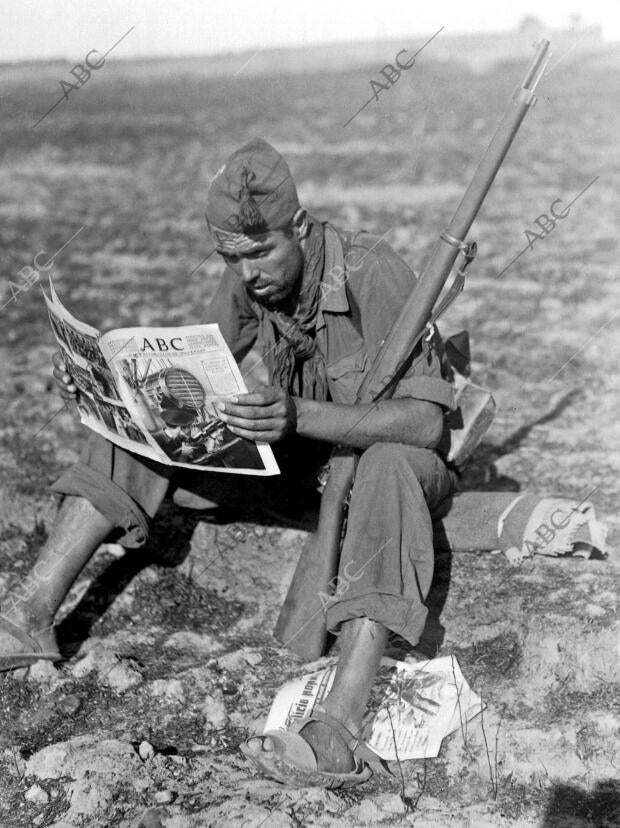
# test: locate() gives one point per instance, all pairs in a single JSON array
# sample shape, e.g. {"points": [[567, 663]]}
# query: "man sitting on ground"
{"points": [[316, 304]]}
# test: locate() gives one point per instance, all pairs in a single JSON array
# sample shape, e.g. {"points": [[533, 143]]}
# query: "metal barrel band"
{"points": [[458, 243]]}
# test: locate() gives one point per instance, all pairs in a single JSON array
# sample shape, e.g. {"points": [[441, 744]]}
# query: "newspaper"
{"points": [[412, 708], [154, 391]]}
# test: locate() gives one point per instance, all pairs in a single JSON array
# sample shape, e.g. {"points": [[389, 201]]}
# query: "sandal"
{"points": [[35, 647], [293, 761]]}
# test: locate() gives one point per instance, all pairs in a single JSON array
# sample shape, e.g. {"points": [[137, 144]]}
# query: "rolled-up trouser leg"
{"points": [[126, 488], [386, 565]]}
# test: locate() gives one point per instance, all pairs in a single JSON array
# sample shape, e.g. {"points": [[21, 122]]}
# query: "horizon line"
{"points": [[256, 49]]}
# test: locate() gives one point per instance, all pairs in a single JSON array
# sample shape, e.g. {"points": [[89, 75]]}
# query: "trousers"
{"points": [[387, 558]]}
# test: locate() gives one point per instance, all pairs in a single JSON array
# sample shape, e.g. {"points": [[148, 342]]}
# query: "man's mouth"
{"points": [[261, 291]]}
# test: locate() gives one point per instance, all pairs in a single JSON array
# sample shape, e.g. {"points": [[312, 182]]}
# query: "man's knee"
{"points": [[396, 456]]}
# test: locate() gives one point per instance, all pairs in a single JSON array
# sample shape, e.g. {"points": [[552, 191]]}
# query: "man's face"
{"points": [[271, 266]]}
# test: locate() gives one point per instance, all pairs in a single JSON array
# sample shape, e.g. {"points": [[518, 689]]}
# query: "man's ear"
{"points": [[301, 224]]}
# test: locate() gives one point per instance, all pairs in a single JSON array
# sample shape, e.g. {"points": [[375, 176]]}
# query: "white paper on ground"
{"points": [[413, 707]]}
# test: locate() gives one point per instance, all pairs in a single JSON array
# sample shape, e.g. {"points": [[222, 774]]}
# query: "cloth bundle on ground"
{"points": [[520, 525]]}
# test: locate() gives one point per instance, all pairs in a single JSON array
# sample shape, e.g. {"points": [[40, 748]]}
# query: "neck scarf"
{"points": [[296, 361]]}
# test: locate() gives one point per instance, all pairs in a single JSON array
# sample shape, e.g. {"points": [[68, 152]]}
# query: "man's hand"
{"points": [[266, 415], [64, 383]]}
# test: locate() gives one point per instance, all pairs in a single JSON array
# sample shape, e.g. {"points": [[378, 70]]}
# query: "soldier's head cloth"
{"points": [[251, 194]]}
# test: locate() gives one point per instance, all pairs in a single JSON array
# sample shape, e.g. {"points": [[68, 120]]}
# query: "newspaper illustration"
{"points": [[413, 707], [154, 391]]}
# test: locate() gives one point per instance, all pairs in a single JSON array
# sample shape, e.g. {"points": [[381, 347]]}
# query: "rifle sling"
{"points": [[456, 286]]}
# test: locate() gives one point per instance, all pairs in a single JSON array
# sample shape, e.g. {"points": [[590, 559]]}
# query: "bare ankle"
{"points": [[349, 718]]}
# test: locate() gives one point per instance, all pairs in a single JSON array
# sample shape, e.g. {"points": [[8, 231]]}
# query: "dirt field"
{"points": [[172, 646]]}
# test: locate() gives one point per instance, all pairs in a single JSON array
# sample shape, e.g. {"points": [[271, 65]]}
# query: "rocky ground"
{"points": [[170, 661]]}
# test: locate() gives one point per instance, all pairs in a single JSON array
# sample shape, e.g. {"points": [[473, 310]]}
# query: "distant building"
{"points": [[480, 51]]}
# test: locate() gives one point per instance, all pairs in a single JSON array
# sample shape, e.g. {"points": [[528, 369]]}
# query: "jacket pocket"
{"points": [[350, 364]]}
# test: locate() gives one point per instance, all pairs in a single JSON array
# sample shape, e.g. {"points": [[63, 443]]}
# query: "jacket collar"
{"points": [[333, 297]]}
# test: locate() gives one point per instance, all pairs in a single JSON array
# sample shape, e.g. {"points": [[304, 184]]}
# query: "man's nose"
{"points": [[249, 271]]}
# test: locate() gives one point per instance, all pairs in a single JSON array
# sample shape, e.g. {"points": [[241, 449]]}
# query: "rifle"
{"points": [[301, 623]]}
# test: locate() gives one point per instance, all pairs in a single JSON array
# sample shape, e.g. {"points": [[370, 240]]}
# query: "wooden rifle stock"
{"points": [[301, 624]]}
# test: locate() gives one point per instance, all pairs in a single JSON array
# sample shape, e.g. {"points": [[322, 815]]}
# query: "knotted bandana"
{"points": [[296, 362]]}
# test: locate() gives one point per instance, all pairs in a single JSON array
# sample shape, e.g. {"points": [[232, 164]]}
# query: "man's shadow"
{"points": [[570, 805], [169, 545], [480, 475]]}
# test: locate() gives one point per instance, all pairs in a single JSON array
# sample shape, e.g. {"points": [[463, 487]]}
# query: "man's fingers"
{"points": [[255, 436], [65, 383], [258, 424], [61, 374], [261, 397], [58, 361], [252, 412]]}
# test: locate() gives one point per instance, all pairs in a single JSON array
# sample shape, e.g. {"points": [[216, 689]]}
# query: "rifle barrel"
{"points": [[399, 344], [538, 65], [301, 625]]}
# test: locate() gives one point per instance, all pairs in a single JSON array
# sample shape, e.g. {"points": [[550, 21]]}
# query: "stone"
{"points": [[171, 690], [321, 799], [87, 796], [141, 784], [69, 705], [186, 640], [164, 797], [365, 812], [390, 804], [238, 659], [118, 673], [146, 750], [239, 719], [238, 811], [44, 672], [48, 763], [214, 711], [114, 549], [253, 657], [122, 677], [37, 795], [95, 659], [150, 819], [82, 756]]}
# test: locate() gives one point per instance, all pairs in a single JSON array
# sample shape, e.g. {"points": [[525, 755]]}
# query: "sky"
{"points": [[43, 29]]}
